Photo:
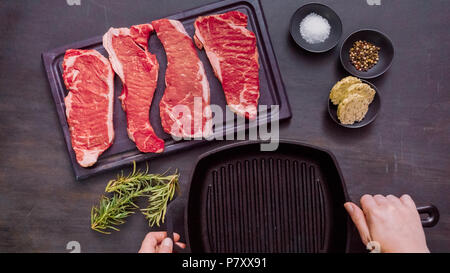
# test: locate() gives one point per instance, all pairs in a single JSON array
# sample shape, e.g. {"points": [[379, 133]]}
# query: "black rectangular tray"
{"points": [[123, 151]]}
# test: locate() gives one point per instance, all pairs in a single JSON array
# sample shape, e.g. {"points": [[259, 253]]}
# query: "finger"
{"points": [[166, 246], [367, 203], [359, 220], [159, 235], [176, 237], [380, 200], [407, 201], [393, 200], [149, 244], [182, 245]]}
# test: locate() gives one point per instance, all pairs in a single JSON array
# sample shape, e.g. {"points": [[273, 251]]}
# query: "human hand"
{"points": [[392, 222], [158, 242]]}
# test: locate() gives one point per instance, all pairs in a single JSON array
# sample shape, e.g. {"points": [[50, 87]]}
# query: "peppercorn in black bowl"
{"points": [[367, 54]]}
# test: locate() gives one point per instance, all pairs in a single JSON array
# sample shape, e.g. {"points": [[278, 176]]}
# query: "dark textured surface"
{"points": [[406, 150]]}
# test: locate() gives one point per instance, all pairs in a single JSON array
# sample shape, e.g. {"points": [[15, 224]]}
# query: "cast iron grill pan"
{"points": [[123, 151], [291, 200], [245, 200]]}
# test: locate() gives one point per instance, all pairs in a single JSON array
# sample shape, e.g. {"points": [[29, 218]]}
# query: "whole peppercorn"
{"points": [[364, 55]]}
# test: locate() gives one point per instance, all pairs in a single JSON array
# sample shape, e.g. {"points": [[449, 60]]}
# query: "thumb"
{"points": [[166, 246], [359, 219]]}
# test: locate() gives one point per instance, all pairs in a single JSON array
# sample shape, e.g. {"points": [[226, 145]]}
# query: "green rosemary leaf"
{"points": [[159, 196], [111, 211]]}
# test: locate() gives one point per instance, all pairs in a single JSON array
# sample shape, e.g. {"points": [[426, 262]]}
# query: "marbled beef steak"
{"points": [[232, 52], [184, 108], [138, 70], [89, 105]]}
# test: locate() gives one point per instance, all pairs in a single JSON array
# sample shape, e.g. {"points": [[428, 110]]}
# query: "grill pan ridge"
{"points": [[284, 191]]}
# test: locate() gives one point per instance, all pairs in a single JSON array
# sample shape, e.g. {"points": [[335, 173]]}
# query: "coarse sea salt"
{"points": [[314, 28]]}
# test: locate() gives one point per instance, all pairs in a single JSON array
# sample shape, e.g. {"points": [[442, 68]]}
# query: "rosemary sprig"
{"points": [[159, 196], [158, 188], [126, 184], [111, 212]]}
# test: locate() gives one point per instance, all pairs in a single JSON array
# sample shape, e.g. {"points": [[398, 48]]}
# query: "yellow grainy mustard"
{"points": [[352, 109], [337, 93], [362, 89], [353, 98]]}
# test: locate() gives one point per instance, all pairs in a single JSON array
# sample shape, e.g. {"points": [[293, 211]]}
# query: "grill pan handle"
{"points": [[169, 225], [432, 215]]}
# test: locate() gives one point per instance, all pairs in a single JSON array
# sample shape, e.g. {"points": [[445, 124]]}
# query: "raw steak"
{"points": [[138, 70], [186, 82], [232, 52], [89, 105]]}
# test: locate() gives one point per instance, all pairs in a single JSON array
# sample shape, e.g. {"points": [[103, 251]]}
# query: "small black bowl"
{"points": [[375, 37], [371, 115], [327, 13]]}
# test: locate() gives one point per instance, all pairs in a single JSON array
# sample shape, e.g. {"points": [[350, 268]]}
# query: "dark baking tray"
{"points": [[124, 151]]}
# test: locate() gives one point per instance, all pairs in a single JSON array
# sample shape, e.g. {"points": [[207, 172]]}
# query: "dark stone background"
{"points": [[406, 150]]}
